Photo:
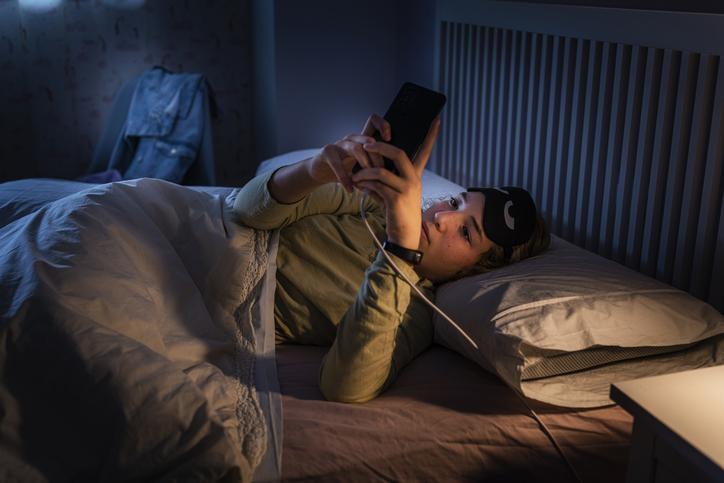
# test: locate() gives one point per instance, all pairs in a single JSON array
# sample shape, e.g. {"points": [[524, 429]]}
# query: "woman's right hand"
{"points": [[335, 161]]}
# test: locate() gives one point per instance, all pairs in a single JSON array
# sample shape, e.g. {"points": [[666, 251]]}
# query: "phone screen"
{"points": [[410, 116]]}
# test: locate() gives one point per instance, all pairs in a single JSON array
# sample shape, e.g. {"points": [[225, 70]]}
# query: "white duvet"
{"points": [[129, 315]]}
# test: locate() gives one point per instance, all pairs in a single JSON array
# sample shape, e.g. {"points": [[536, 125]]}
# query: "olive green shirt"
{"points": [[333, 288]]}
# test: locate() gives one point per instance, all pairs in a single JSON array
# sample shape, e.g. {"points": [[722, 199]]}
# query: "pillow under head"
{"points": [[564, 325]]}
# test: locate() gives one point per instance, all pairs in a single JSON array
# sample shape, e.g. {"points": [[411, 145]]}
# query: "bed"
{"points": [[445, 419], [452, 415]]}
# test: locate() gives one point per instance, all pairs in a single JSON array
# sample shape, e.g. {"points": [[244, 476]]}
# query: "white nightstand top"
{"points": [[689, 404]]}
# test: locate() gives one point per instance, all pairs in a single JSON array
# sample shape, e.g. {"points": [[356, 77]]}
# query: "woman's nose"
{"points": [[442, 220]]}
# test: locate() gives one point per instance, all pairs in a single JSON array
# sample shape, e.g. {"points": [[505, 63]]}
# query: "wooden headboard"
{"points": [[612, 118]]}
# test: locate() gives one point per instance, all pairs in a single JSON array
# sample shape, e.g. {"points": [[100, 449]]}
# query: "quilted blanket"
{"points": [[128, 315]]}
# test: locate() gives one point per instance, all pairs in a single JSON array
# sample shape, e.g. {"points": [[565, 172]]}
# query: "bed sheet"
{"points": [[443, 420]]}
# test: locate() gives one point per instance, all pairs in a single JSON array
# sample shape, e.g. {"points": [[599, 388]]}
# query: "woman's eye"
{"points": [[466, 234], [454, 203]]}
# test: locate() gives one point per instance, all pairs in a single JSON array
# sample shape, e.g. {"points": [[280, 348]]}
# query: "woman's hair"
{"points": [[495, 257]]}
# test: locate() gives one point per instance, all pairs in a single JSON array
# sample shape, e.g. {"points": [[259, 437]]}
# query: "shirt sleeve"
{"points": [[256, 207], [381, 333]]}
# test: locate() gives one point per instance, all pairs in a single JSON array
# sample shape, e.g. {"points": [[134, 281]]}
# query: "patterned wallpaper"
{"points": [[60, 71]]}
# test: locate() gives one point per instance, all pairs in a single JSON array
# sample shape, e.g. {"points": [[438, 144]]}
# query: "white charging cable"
{"points": [[545, 429]]}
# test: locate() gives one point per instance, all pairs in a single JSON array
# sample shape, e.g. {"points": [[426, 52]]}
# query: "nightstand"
{"points": [[678, 432]]}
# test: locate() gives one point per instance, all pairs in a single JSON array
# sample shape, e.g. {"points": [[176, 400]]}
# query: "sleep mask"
{"points": [[509, 216]]}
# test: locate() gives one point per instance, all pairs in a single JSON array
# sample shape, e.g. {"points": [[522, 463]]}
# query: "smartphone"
{"points": [[410, 116]]}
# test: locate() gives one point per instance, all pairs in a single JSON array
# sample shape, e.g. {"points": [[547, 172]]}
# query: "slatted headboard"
{"points": [[613, 119]]}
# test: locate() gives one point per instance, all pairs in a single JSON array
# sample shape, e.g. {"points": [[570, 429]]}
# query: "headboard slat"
{"points": [[639, 195], [677, 167], [631, 91]]}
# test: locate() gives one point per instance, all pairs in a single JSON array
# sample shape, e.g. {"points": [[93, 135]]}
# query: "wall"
{"points": [[264, 80], [333, 66], [416, 26], [61, 69], [322, 66]]}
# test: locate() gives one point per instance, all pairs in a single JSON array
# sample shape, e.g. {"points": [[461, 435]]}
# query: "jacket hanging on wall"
{"points": [[165, 132]]}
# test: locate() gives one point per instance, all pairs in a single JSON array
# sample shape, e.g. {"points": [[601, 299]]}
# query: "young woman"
{"points": [[334, 288]]}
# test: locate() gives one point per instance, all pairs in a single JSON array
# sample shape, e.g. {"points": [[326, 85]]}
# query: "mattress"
{"points": [[444, 419]]}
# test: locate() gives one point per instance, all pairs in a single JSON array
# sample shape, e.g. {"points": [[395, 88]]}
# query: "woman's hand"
{"points": [[402, 195], [335, 161]]}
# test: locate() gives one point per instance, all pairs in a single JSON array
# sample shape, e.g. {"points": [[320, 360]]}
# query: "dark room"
{"points": [[336, 241]]}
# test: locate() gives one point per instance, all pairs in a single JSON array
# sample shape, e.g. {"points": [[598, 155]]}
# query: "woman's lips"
{"points": [[427, 234]]}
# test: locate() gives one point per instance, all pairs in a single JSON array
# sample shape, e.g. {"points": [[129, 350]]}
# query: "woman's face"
{"points": [[452, 237]]}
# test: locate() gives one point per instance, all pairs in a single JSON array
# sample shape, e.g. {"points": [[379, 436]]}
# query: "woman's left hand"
{"points": [[402, 195]]}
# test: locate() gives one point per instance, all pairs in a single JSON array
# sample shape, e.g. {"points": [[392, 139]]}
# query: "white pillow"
{"points": [[577, 316]]}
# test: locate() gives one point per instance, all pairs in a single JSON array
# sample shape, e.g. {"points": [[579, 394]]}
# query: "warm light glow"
{"points": [[38, 5]]}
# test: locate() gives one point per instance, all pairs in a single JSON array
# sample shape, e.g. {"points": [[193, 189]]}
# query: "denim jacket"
{"points": [[167, 131]]}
